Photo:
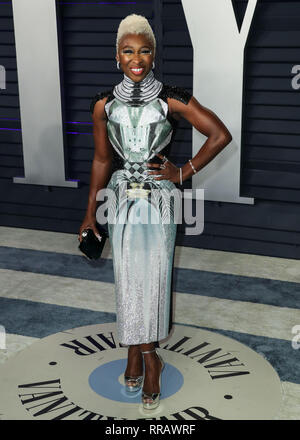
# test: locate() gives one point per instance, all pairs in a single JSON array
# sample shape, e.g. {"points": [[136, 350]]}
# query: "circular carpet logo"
{"points": [[79, 375]]}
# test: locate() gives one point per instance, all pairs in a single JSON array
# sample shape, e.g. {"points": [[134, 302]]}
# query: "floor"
{"points": [[47, 286]]}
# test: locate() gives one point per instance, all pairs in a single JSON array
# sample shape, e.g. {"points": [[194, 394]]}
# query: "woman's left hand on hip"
{"points": [[165, 171]]}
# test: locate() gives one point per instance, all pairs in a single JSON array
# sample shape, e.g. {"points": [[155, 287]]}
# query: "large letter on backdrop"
{"points": [[37, 54], [218, 84]]}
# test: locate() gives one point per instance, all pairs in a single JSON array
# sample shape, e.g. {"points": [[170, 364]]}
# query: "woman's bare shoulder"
{"points": [[104, 97], [170, 94]]}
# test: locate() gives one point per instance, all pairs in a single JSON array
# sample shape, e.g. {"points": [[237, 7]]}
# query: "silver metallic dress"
{"points": [[141, 223]]}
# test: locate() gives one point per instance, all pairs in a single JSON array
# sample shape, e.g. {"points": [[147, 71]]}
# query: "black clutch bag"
{"points": [[90, 245]]}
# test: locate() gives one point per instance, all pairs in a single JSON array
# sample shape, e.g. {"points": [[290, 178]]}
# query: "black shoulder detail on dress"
{"points": [[101, 95], [175, 92]]}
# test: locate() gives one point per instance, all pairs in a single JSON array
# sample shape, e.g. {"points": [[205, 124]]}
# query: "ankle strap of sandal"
{"points": [[151, 351]]}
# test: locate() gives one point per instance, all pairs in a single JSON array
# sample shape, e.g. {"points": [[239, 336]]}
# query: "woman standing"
{"points": [[136, 119]]}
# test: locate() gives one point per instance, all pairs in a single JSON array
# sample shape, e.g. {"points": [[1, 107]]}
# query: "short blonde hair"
{"points": [[135, 24]]}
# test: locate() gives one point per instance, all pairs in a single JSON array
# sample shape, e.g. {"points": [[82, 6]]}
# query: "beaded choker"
{"points": [[138, 93]]}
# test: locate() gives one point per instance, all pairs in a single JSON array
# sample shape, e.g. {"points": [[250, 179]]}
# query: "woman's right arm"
{"points": [[101, 165]]}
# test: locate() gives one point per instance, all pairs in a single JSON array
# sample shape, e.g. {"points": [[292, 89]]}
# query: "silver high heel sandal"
{"points": [[133, 383], [154, 397]]}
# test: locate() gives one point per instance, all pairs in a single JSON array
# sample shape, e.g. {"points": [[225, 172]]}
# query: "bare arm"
{"points": [[102, 162], [101, 166], [208, 123]]}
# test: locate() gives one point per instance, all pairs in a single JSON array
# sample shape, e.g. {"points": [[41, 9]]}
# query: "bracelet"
{"points": [[192, 166]]}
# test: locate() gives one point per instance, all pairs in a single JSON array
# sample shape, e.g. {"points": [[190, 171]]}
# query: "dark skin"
{"points": [[136, 51]]}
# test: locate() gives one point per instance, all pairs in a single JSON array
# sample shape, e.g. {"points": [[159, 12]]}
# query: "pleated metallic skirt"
{"points": [[143, 246]]}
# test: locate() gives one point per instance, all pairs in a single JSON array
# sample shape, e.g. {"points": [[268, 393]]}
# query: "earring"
{"points": [[153, 65], [118, 65]]}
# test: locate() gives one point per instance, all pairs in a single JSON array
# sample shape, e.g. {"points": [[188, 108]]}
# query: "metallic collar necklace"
{"points": [[138, 93]]}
